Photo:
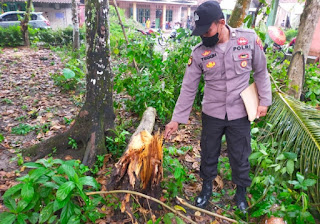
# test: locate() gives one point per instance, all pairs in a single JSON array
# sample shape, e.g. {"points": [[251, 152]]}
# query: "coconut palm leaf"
{"points": [[296, 128]]}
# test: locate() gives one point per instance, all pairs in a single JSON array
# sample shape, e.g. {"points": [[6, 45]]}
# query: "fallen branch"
{"points": [[145, 196], [182, 201]]}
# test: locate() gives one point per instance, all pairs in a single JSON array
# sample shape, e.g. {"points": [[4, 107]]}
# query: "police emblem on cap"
{"points": [[196, 17]]}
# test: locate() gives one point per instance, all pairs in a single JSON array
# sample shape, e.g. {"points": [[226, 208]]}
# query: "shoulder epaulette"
{"points": [[195, 47], [245, 30]]}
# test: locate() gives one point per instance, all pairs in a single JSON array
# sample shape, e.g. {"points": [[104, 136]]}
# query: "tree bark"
{"points": [[308, 21], [75, 23], [239, 13], [25, 24], [97, 114]]}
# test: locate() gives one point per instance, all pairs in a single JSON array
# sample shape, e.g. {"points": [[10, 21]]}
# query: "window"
{"points": [[143, 15], [11, 17], [168, 15]]}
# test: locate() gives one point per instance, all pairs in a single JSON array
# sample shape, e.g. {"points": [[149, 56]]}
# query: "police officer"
{"points": [[225, 57]]}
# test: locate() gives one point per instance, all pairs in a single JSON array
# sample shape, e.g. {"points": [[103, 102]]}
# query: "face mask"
{"points": [[210, 41]]}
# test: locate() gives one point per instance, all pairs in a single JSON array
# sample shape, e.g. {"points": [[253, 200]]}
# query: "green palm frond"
{"points": [[296, 128]]}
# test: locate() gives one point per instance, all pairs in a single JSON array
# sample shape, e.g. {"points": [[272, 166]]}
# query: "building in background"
{"points": [[58, 12], [163, 14]]}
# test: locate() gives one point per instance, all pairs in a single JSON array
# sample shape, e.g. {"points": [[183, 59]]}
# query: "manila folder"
{"points": [[251, 100]]}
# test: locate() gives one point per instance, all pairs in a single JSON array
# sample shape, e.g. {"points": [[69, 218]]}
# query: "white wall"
{"points": [[59, 18]]}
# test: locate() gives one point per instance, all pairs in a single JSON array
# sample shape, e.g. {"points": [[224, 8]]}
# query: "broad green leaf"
{"points": [[7, 218], [167, 219], [290, 166], [35, 174], [64, 190], [12, 190], [90, 181], [10, 203], [68, 73], [71, 173], [290, 155], [281, 157], [255, 155], [179, 221], [22, 204], [27, 192], [254, 130], [21, 218], [300, 177], [51, 185], [46, 212], [33, 218], [74, 220], [33, 165], [59, 180], [309, 182], [67, 212], [52, 219]]}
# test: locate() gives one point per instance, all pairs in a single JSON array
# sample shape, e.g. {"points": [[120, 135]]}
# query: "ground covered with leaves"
{"points": [[34, 109]]}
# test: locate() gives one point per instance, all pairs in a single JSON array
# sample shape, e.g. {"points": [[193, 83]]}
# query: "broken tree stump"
{"points": [[140, 167]]}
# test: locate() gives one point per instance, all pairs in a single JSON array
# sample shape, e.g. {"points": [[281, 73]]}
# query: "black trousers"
{"points": [[238, 145]]}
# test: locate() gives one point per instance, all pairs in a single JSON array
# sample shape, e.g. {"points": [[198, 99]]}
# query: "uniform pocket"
{"points": [[211, 70], [242, 62]]}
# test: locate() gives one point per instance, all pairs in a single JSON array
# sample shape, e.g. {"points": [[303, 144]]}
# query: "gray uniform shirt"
{"points": [[226, 74]]}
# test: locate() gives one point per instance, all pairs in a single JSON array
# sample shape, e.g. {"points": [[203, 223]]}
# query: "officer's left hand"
{"points": [[261, 111]]}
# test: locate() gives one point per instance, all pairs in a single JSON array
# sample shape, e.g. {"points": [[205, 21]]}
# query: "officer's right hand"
{"points": [[171, 127]]}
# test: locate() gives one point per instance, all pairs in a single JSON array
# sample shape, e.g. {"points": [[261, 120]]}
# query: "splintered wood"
{"points": [[143, 160]]}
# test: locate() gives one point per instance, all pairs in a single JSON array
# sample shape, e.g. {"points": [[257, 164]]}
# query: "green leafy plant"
{"points": [[1, 138], [22, 129], [54, 191], [72, 142], [311, 85], [175, 173], [7, 101], [117, 143]]}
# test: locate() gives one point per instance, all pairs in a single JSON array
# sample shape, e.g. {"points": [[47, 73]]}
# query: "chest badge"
{"points": [[210, 64], [242, 41], [190, 61], [243, 56], [206, 53], [244, 64]]}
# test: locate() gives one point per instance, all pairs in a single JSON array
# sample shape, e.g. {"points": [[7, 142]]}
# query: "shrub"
{"points": [[290, 34], [54, 191], [11, 36]]}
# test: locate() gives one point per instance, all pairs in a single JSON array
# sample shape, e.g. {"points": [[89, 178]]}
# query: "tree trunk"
{"points": [[75, 23], [239, 13], [97, 113], [140, 167], [308, 21], [25, 23]]}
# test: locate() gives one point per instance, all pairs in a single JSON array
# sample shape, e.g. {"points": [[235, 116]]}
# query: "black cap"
{"points": [[204, 15]]}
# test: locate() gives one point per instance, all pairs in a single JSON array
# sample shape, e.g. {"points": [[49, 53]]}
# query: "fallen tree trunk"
{"points": [[140, 167]]}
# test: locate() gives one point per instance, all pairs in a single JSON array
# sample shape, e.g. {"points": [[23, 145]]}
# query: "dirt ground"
{"points": [[28, 95]]}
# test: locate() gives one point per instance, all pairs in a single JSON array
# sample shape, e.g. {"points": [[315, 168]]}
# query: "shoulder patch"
{"points": [[190, 61]]}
